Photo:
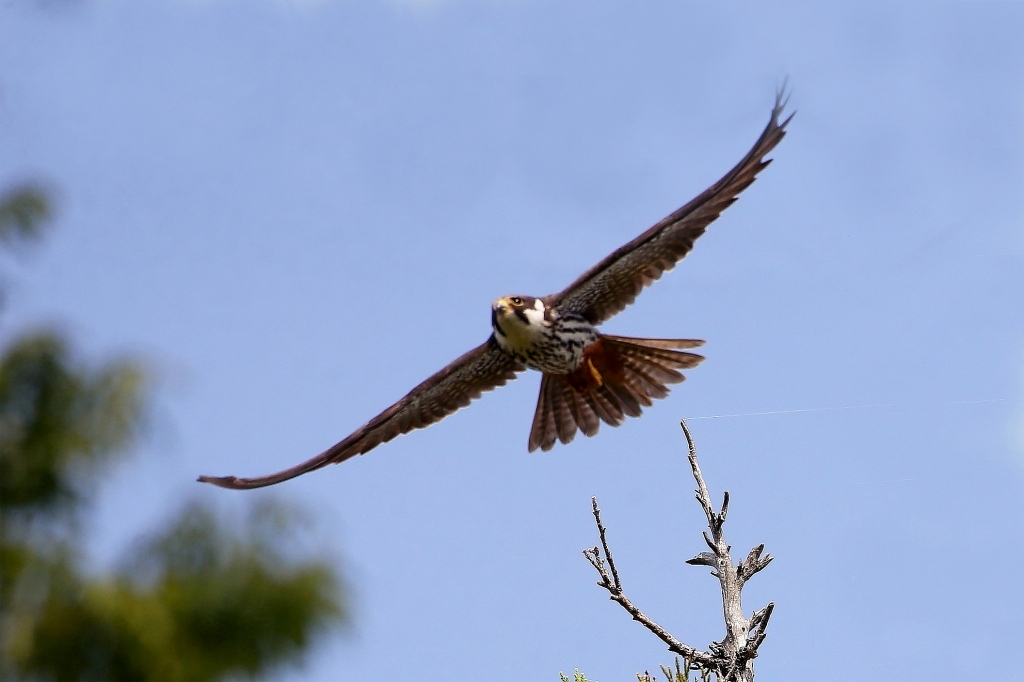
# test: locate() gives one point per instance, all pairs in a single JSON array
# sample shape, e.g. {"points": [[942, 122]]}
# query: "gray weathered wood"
{"points": [[732, 659]]}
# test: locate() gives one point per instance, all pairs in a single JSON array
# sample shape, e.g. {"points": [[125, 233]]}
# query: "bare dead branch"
{"points": [[753, 563], [731, 659], [604, 543], [610, 582], [703, 559]]}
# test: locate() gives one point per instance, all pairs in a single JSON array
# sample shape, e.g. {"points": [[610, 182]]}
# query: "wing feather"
{"points": [[615, 282], [482, 369]]}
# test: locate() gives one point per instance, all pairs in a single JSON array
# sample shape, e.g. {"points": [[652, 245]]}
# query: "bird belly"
{"points": [[561, 350]]}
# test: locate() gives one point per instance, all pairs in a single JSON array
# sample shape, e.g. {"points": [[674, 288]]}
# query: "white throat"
{"points": [[536, 314], [519, 335]]}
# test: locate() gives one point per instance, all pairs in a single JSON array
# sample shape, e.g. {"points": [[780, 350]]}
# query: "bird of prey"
{"points": [[588, 377]]}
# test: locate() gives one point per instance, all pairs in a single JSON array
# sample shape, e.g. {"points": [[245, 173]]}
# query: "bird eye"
{"points": [[516, 300]]}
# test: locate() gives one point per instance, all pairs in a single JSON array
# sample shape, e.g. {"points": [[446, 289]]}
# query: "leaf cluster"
{"points": [[193, 602], [24, 210], [200, 599], [59, 422]]}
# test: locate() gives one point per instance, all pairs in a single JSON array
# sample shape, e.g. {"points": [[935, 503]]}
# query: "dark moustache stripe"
{"points": [[494, 323]]}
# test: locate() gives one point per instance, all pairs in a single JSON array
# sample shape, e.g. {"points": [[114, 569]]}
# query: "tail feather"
{"points": [[608, 410], [542, 434], [649, 376], [669, 359], [665, 344], [559, 414], [620, 376], [629, 399], [565, 420], [584, 414], [644, 382]]}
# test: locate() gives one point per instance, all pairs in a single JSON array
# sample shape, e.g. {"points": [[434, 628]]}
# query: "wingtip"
{"points": [[229, 482], [782, 95]]}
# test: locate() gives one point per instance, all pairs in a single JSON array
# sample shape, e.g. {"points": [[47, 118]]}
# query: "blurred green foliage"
{"points": [[24, 210], [58, 422], [577, 676], [681, 673], [194, 603], [198, 600]]}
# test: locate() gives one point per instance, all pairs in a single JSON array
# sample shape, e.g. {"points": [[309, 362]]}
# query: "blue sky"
{"points": [[298, 211]]}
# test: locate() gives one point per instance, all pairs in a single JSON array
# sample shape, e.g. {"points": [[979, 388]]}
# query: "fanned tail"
{"points": [[618, 377]]}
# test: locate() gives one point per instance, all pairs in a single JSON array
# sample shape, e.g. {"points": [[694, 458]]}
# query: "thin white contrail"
{"points": [[848, 407]]}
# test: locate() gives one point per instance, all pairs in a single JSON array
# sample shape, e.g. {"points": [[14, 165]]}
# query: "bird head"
{"points": [[517, 319]]}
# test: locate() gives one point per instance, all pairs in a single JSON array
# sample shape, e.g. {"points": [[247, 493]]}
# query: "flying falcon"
{"points": [[588, 377]]}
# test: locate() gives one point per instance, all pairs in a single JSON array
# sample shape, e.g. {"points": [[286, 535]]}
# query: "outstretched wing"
{"points": [[484, 368], [614, 283]]}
